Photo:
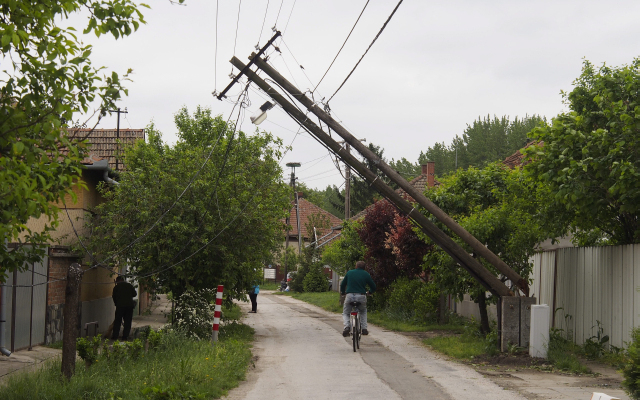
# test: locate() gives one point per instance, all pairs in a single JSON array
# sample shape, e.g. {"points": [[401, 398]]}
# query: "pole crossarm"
{"points": [[244, 70], [473, 266], [478, 247]]}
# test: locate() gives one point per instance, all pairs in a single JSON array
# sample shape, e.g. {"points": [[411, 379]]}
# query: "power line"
{"points": [[215, 62], [235, 41], [261, 29], [365, 53], [278, 16], [288, 19], [343, 44]]}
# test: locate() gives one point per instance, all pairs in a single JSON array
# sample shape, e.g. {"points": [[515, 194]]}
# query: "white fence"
{"points": [[590, 284]]}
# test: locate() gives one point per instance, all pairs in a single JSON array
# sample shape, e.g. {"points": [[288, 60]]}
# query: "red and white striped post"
{"points": [[216, 314]]}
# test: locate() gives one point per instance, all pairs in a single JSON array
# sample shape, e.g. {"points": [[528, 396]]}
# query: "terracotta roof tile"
{"points": [[517, 158], [103, 142], [306, 210]]}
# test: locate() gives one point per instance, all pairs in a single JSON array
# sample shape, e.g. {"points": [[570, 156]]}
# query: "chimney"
{"points": [[429, 169], [300, 195]]}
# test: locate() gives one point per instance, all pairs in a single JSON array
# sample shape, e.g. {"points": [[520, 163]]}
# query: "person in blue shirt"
{"points": [[253, 295], [354, 285]]}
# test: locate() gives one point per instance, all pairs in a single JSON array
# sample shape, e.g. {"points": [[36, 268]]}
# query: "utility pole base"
{"points": [[515, 321]]}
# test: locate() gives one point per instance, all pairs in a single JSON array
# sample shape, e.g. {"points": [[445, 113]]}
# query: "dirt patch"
{"points": [[429, 334]]}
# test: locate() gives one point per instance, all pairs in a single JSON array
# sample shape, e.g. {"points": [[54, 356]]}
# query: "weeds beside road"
{"points": [[178, 368]]}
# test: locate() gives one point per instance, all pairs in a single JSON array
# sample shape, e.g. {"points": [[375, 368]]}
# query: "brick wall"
{"points": [[59, 262]]}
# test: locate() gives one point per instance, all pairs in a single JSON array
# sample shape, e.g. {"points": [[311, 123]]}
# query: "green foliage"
{"points": [[413, 299], [594, 347], [235, 202], [329, 301], [631, 369], [563, 353], [48, 81], [194, 313], [178, 367], [315, 280], [485, 141], [88, 348], [498, 206], [342, 254], [595, 148]]}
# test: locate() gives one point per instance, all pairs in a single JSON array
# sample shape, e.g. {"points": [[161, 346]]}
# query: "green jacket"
{"points": [[123, 294], [356, 280]]}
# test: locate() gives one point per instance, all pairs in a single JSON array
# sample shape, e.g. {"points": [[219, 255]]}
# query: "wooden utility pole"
{"points": [[347, 188], [118, 132], [71, 322], [478, 247], [473, 266]]}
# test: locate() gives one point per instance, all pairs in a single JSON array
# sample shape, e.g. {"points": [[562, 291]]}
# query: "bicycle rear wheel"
{"points": [[358, 332], [354, 331]]}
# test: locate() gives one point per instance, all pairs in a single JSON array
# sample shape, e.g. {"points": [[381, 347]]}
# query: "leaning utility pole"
{"points": [[473, 266], [478, 247], [347, 187]]}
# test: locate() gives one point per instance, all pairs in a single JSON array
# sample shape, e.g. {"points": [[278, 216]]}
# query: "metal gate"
{"points": [[25, 304]]}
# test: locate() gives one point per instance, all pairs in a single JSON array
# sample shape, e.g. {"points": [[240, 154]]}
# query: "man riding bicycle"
{"points": [[354, 285]]}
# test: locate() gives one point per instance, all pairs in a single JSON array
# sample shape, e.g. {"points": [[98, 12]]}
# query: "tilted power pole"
{"points": [[478, 247], [473, 266]]}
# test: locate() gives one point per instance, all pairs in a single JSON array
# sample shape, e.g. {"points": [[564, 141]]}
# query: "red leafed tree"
{"points": [[393, 249]]}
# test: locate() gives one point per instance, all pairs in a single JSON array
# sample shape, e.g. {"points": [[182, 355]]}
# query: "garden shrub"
{"points": [[194, 313], [315, 280], [413, 299], [631, 369]]}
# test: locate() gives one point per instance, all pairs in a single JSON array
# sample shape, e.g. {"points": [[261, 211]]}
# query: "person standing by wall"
{"points": [[253, 295], [123, 294]]}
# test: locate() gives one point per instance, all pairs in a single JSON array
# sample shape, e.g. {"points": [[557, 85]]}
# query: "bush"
{"points": [[315, 280], [631, 369], [297, 279], [194, 313], [413, 299]]}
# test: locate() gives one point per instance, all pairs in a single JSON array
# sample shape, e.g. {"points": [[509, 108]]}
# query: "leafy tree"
{"points": [[406, 168], [362, 193], [343, 253], [485, 141], [500, 207], [315, 280], [590, 156], [392, 248], [221, 230], [48, 80]]}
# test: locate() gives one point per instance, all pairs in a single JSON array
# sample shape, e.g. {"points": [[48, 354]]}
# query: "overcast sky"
{"points": [[437, 67]]}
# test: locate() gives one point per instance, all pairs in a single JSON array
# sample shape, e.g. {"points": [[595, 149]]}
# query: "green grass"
{"points": [[391, 322], [461, 347], [269, 286], [329, 301], [55, 345], [178, 369]]}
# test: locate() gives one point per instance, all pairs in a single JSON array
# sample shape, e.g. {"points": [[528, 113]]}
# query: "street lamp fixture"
{"points": [[259, 118]]}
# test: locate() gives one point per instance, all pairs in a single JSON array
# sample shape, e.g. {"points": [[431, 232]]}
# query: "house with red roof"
{"points": [[35, 301]]}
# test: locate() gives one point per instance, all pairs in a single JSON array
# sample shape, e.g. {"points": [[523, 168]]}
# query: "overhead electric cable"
{"points": [[261, 29], [343, 44], [365, 53], [235, 41], [288, 19], [278, 16], [215, 62]]}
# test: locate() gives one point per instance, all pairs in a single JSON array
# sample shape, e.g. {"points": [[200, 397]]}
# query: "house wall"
{"points": [[59, 261]]}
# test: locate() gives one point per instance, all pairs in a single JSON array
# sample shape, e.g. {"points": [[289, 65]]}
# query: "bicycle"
{"points": [[356, 329]]}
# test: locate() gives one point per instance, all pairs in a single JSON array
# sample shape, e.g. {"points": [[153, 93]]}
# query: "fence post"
{"points": [[216, 314], [71, 322]]}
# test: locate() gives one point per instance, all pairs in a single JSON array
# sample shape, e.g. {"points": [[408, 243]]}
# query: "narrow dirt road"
{"points": [[300, 354]]}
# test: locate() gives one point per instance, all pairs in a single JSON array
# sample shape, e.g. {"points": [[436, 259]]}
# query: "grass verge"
{"points": [[179, 368], [462, 347], [329, 301]]}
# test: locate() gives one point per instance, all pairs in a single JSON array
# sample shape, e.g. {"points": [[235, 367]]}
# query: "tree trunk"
{"points": [[442, 309], [71, 321], [484, 316]]}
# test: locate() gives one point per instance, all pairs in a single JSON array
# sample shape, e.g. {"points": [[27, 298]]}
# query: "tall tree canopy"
{"points": [[590, 156], [500, 207], [47, 81], [220, 230], [485, 141]]}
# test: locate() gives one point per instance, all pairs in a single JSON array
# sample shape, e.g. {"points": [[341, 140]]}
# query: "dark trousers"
{"points": [[126, 314], [254, 301]]}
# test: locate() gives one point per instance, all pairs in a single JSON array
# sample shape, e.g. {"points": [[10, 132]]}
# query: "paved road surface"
{"points": [[301, 354]]}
